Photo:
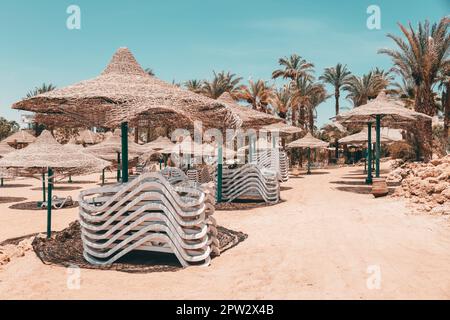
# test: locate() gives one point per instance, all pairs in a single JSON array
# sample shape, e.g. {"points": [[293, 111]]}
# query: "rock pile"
{"points": [[11, 251], [427, 184]]}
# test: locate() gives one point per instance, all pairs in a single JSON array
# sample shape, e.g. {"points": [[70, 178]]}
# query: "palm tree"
{"points": [[421, 56], [444, 85], [405, 91], [294, 67], [222, 82], [336, 76], [307, 95], [258, 94], [281, 101], [361, 89], [194, 85], [39, 90]]}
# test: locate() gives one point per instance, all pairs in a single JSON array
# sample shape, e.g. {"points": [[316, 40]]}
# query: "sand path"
{"points": [[324, 241]]}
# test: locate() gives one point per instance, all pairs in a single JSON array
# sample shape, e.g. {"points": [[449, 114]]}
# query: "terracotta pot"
{"points": [[379, 187]]}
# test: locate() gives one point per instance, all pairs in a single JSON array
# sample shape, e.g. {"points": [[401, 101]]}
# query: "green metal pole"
{"points": [[309, 161], [49, 203], [70, 179], [369, 154], [1, 182], [365, 162], [378, 146], [103, 176], [219, 174], [250, 150], [118, 167], [124, 128], [43, 186]]}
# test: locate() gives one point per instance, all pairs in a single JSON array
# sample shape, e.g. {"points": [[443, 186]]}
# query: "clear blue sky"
{"points": [[185, 39]]}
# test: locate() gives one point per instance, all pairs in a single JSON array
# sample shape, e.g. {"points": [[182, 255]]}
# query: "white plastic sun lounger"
{"points": [[160, 212]]}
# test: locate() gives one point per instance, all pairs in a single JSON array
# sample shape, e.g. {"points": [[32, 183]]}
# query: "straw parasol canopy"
{"points": [[124, 92], [159, 144], [5, 149], [46, 152], [393, 111], [88, 137], [261, 144], [362, 137], [20, 137], [282, 128], [249, 118], [109, 148], [308, 141]]}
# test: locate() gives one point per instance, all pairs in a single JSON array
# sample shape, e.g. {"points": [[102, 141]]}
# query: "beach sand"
{"points": [[326, 240]]}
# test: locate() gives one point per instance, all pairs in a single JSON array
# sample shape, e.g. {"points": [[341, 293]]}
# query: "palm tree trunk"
{"points": [[424, 102], [311, 119], [446, 115], [336, 96]]}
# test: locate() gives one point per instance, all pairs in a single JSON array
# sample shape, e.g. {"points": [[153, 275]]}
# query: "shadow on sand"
{"points": [[16, 185]]}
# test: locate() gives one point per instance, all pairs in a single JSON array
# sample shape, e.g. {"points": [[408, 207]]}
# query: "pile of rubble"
{"points": [[9, 252], [427, 184]]}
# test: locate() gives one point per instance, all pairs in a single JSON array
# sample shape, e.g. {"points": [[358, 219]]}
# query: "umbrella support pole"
{"points": [[70, 179], [309, 161], [43, 186], [378, 146], [219, 174], [118, 167], [1, 182], [369, 154], [365, 162], [124, 129], [103, 177], [49, 203]]}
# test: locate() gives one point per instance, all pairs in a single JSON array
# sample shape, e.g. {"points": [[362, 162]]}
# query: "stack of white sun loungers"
{"points": [[274, 160], [193, 175], [250, 180], [151, 213]]}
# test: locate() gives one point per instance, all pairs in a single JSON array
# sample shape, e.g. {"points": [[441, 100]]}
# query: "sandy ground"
{"points": [[326, 240]]}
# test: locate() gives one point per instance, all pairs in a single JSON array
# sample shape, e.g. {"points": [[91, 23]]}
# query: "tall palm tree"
{"points": [[194, 85], [307, 95], [444, 86], [361, 89], [39, 90], [294, 67], [422, 55], [258, 94], [281, 101], [336, 76], [222, 82]]}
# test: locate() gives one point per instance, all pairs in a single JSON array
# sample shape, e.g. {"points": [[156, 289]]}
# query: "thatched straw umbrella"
{"points": [[249, 118], [361, 138], [161, 143], [110, 149], [5, 149], [19, 139], [308, 142], [88, 137], [124, 93], [47, 153], [391, 111]]}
